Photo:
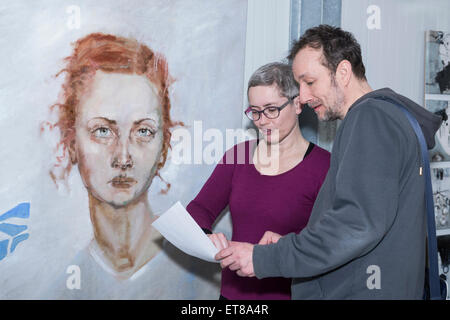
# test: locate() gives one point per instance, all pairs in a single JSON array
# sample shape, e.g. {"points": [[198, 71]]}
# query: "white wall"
{"points": [[267, 37], [394, 55]]}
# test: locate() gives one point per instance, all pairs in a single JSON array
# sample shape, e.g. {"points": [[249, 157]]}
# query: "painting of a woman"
{"points": [[114, 120]]}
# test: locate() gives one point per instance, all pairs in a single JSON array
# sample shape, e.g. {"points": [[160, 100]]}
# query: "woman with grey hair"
{"points": [[274, 188]]}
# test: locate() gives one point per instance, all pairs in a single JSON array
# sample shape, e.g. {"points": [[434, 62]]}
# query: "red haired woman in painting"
{"points": [[114, 119]]}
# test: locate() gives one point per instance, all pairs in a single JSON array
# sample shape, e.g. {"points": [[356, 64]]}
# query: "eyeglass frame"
{"points": [[262, 111]]}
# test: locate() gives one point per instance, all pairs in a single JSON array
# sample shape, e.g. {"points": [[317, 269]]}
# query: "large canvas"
{"points": [[437, 87], [111, 111]]}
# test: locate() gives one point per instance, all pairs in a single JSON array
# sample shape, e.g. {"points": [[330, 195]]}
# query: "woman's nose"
{"points": [[122, 158], [262, 120]]}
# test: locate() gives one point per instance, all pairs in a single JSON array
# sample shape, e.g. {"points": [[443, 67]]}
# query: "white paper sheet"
{"points": [[178, 227]]}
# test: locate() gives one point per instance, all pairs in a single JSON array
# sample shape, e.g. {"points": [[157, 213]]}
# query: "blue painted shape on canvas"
{"points": [[15, 232], [3, 249], [20, 211], [17, 240], [12, 229]]}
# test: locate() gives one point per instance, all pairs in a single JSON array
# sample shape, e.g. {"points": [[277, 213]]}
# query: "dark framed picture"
{"points": [[437, 87], [440, 179]]}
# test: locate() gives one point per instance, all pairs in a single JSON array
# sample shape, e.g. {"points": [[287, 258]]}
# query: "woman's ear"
{"points": [[72, 151], [297, 105]]}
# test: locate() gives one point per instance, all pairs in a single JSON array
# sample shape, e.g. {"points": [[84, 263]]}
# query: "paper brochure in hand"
{"points": [[180, 229]]}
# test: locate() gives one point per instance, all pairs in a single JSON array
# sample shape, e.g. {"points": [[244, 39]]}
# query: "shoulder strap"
{"points": [[433, 274]]}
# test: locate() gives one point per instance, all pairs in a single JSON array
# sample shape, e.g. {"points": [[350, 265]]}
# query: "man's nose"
{"points": [[305, 95], [122, 158]]}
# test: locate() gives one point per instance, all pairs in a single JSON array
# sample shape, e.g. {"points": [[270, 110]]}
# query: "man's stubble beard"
{"points": [[334, 111]]}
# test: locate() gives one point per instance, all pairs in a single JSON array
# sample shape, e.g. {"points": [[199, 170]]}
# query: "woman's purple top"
{"points": [[259, 203]]}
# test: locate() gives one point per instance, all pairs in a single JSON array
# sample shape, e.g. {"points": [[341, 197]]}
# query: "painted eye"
{"points": [[145, 132], [102, 132]]}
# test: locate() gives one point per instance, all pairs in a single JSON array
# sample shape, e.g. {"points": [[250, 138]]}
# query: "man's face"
{"points": [[318, 87]]}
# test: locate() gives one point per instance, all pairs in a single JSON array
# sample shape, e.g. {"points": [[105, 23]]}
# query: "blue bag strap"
{"points": [[433, 274]]}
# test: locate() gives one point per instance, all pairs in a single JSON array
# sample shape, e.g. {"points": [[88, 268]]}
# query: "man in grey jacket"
{"points": [[366, 237]]}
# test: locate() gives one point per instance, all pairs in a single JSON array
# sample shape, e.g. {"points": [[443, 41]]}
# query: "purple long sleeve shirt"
{"points": [[259, 203]]}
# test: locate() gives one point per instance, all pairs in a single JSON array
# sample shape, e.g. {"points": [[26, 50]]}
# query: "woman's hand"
{"points": [[269, 237], [219, 240]]}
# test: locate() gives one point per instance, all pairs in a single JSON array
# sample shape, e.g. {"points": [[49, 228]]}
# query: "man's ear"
{"points": [[344, 72]]}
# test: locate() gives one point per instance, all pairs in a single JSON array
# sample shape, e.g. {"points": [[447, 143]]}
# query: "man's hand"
{"points": [[269, 237], [238, 257]]}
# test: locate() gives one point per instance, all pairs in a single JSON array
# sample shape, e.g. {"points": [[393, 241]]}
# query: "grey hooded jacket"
{"points": [[366, 236]]}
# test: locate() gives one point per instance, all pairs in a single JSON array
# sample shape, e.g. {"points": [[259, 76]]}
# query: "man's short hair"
{"points": [[336, 45]]}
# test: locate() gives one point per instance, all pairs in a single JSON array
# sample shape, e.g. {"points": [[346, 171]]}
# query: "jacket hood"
{"points": [[428, 121]]}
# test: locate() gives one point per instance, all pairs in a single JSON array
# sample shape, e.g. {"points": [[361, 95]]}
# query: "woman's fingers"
{"points": [[269, 237], [219, 240], [223, 240]]}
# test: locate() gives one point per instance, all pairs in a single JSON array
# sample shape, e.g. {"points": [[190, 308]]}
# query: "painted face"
{"points": [[273, 130], [118, 137], [318, 87]]}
